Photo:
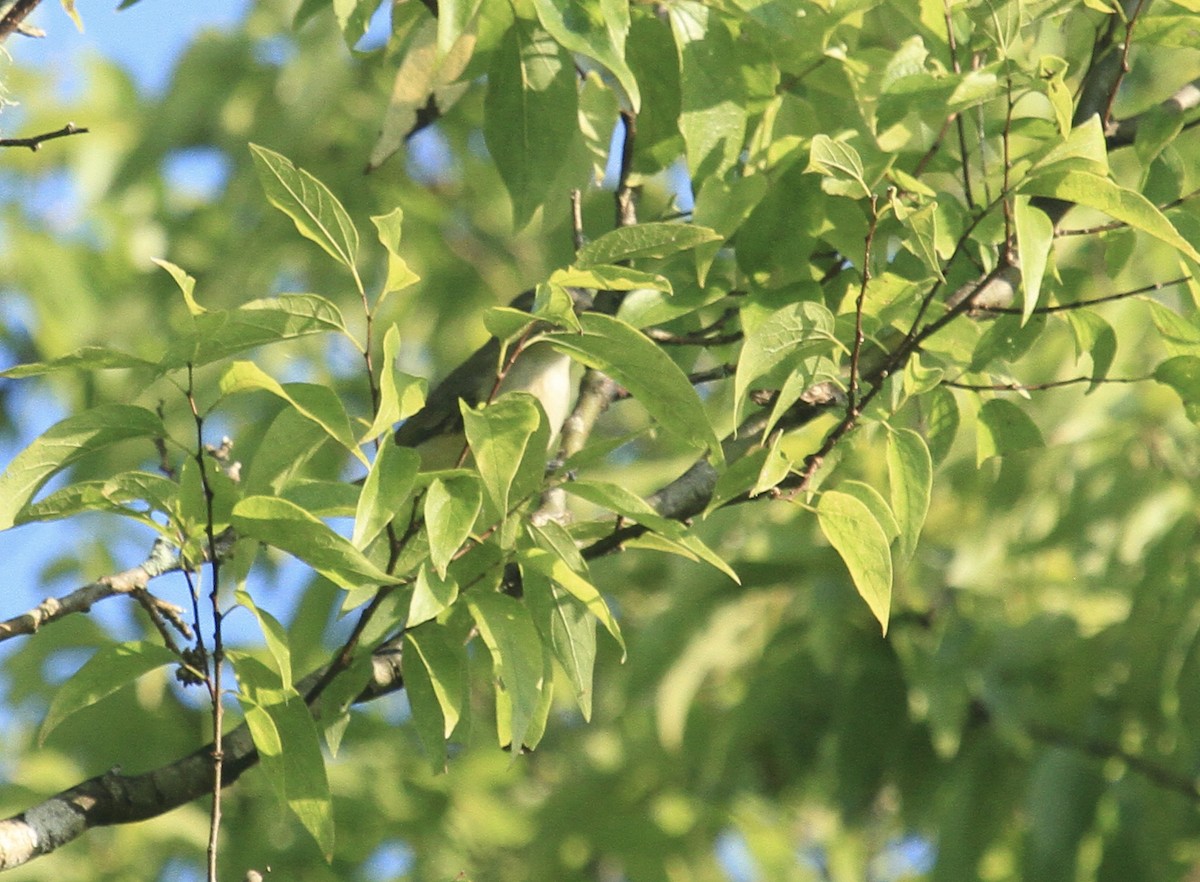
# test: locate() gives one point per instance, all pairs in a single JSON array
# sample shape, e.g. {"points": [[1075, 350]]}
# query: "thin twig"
{"points": [[958, 120], [15, 15], [162, 559], [859, 301], [35, 142], [1039, 387], [1130, 24], [1117, 225], [626, 194], [1084, 304], [218, 655]]}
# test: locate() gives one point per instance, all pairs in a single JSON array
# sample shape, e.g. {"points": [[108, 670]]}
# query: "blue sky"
{"points": [[146, 38]]}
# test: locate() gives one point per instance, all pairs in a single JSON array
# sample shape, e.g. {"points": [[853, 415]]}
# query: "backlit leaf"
{"points": [[856, 535]]}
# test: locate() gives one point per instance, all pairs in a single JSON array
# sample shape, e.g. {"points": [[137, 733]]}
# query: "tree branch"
{"points": [[162, 559], [15, 15], [35, 142], [116, 798]]}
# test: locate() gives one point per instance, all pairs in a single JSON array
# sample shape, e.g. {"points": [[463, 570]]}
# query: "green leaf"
{"points": [[787, 336], [288, 443], [427, 716], [89, 358], [217, 335], [556, 569], [1182, 373], [629, 357], [516, 649], [1096, 337], [499, 434], [113, 495], [286, 526], [325, 499], [1084, 150], [319, 403], [1002, 429], [69, 8], [399, 276], [353, 17], [924, 225], [432, 594], [643, 240], [288, 745], [1094, 191], [569, 630], [64, 443], [875, 503], [186, 284], [274, 635], [426, 72], [595, 28], [445, 658], [529, 114], [610, 278], [1051, 75], [454, 18], [598, 111], [1177, 335], [1035, 238], [387, 487], [910, 480], [712, 116], [1169, 31], [841, 162], [855, 534], [110, 668], [400, 395], [451, 506], [628, 504], [316, 212], [941, 420]]}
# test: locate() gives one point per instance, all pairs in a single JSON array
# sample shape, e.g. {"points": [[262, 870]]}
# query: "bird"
{"points": [[537, 368]]}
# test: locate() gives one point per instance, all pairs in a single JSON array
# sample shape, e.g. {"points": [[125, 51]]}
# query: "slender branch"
{"points": [[161, 560], [958, 120], [859, 301], [1123, 70], [1039, 387], [116, 798], [1185, 99], [218, 654], [626, 194], [1084, 304], [15, 15], [35, 142], [1104, 750], [1117, 225]]}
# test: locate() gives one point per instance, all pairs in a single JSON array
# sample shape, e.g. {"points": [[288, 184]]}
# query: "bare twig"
{"points": [[213, 679], [1039, 387], [15, 15], [627, 194], [958, 120], [859, 301], [162, 559], [1117, 225], [1084, 304], [35, 142], [1130, 24]]}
